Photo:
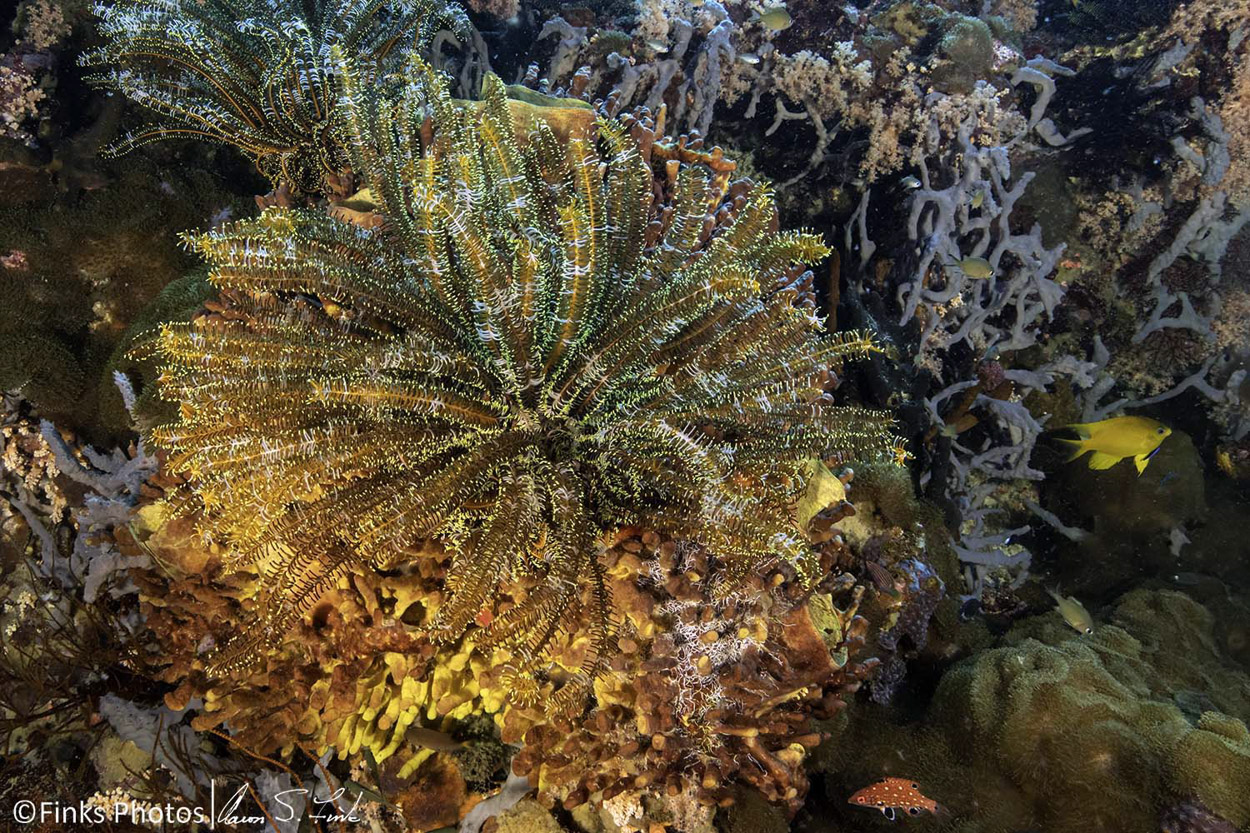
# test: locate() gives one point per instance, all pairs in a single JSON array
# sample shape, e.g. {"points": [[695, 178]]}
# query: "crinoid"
{"points": [[255, 73], [502, 363]]}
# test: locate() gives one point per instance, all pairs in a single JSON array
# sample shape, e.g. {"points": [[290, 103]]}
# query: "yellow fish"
{"points": [[977, 268], [1073, 612], [1113, 439], [777, 19]]}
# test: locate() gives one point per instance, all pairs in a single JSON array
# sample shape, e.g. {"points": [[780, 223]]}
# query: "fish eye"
{"points": [[1089, 630], [915, 786], [1160, 430], [913, 811]]}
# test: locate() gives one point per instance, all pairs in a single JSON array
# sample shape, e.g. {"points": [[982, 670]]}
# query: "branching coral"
{"points": [[1184, 218], [255, 74], [520, 358], [865, 81]]}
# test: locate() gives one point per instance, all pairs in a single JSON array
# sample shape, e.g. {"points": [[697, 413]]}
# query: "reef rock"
{"points": [[1097, 733]]}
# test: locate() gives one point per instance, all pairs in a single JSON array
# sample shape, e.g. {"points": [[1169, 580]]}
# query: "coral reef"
{"points": [[1068, 715], [491, 473], [82, 269], [359, 673], [1109, 732], [964, 209], [1169, 246], [864, 82], [705, 695]]}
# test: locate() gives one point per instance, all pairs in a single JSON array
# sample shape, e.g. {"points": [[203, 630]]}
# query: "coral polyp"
{"points": [[517, 353]]}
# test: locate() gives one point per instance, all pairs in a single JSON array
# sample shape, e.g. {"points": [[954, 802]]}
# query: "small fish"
{"points": [[749, 58], [909, 183], [1114, 439], [880, 576], [777, 19], [977, 268], [1191, 579], [970, 609], [892, 795], [431, 738], [978, 198], [1073, 612], [657, 46]]}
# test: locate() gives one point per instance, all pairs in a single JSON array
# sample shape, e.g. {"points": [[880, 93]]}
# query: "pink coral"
{"points": [[14, 261]]}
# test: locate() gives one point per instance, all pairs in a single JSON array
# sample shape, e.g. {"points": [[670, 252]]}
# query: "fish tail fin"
{"points": [[1078, 447]]}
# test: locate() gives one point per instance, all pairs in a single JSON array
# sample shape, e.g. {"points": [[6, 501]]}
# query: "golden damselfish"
{"points": [[1114, 439]]}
